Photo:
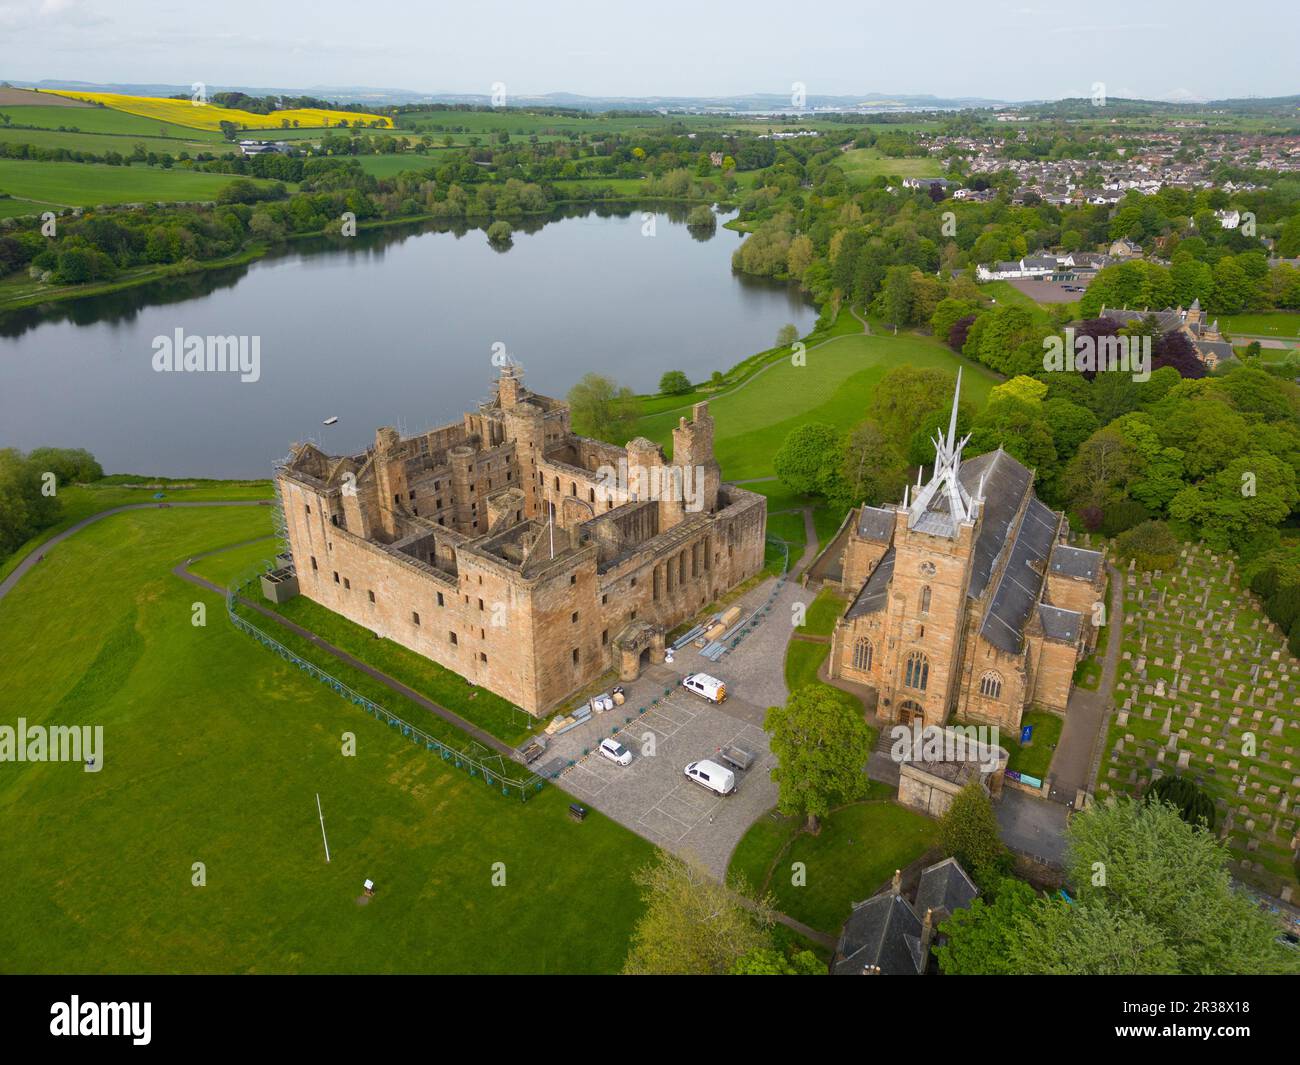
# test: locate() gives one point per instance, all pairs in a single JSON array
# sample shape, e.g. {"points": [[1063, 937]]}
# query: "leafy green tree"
{"points": [[769, 961], [67, 464], [808, 457], [871, 469], [1193, 805], [692, 925], [969, 833], [602, 408], [822, 745], [674, 383], [907, 393], [1151, 544], [981, 939], [1144, 860], [787, 335], [1059, 939], [25, 509]]}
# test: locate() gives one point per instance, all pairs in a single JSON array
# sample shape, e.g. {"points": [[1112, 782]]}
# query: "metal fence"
{"points": [[473, 758]]}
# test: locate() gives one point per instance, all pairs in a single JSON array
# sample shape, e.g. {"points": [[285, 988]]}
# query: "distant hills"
{"points": [[756, 103]]}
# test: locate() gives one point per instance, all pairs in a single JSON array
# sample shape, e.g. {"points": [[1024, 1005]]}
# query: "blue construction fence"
{"points": [[474, 759]]}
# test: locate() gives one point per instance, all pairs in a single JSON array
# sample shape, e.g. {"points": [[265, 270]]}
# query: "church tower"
{"points": [[934, 539]]}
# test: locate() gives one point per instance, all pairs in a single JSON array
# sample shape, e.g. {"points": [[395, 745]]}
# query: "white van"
{"points": [[709, 687], [718, 779]]}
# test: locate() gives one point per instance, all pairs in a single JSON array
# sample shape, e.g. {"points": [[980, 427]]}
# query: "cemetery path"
{"points": [[1086, 711]]}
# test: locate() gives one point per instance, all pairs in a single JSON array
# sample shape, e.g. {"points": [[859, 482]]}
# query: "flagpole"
{"points": [[322, 828]]}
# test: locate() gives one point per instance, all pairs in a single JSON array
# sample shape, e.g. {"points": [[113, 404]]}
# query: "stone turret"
{"points": [[693, 456]]}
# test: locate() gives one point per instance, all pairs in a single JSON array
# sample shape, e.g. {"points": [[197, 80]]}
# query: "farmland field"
{"points": [[103, 143], [88, 184], [863, 164], [103, 120], [209, 116], [835, 387], [11, 207], [214, 750]]}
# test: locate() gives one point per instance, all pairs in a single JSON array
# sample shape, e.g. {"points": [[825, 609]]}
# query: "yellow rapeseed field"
{"points": [[208, 116]]}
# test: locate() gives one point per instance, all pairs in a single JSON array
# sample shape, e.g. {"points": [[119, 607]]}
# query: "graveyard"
{"points": [[1208, 690]]}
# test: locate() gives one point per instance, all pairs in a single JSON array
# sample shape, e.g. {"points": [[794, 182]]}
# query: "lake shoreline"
{"points": [[150, 275]]}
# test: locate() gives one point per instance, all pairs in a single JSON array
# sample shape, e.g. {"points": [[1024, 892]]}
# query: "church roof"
{"points": [[1021, 580], [1005, 483], [945, 886], [871, 599], [1075, 562], [883, 931], [876, 523], [1060, 624]]}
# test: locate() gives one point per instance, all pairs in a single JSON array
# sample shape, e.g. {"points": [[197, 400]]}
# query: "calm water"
{"points": [[387, 328]]}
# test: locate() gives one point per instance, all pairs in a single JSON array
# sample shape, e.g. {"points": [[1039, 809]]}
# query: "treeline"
{"points": [[28, 489]]}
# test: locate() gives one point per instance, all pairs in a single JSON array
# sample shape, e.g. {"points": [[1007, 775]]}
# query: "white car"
{"points": [[705, 686], [615, 752]]}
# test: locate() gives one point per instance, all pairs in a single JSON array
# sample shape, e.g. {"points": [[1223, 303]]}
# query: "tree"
{"points": [[981, 939], [701, 217], [692, 925], [768, 961], [24, 508], [809, 456], [1058, 939], [499, 232], [674, 383], [822, 744], [871, 468], [905, 394], [1151, 544], [969, 833], [602, 408], [1143, 859], [1193, 805], [67, 464], [787, 335]]}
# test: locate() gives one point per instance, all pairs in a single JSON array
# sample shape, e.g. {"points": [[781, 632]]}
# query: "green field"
{"points": [[89, 184], [803, 658], [834, 387], [214, 751], [1266, 324], [103, 120], [855, 854], [102, 143], [383, 166], [863, 164], [15, 208]]}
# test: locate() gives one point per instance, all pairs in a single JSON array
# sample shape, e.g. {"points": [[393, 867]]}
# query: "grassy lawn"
{"points": [[834, 387], [478, 705], [863, 164], [1005, 293], [853, 856], [824, 612], [1035, 758], [16, 208], [81, 501], [802, 660], [89, 184], [214, 751], [1268, 323], [788, 527], [385, 166]]}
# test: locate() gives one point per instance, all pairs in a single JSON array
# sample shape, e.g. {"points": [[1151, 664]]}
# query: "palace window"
{"points": [[917, 674], [925, 600], [862, 654], [991, 685], [415, 618]]}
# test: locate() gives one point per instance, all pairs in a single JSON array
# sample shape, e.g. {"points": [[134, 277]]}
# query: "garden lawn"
{"points": [[834, 387], [214, 752], [802, 660], [1037, 757], [855, 854]]}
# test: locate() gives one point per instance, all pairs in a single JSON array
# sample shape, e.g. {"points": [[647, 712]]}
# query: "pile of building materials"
{"points": [[561, 723], [729, 638]]}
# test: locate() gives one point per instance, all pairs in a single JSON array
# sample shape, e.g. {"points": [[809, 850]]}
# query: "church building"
{"points": [[966, 598]]}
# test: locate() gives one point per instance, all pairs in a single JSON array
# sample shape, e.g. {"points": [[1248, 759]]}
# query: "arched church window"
{"points": [[991, 685], [917, 674], [862, 654]]}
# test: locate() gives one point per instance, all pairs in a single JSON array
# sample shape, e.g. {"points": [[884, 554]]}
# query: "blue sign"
{"points": [[1026, 734]]}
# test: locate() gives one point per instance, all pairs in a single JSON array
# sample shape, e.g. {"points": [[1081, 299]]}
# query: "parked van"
{"points": [[709, 687], [718, 779]]}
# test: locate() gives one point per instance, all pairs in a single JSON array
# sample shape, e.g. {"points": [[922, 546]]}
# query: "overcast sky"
{"points": [[1004, 49]]}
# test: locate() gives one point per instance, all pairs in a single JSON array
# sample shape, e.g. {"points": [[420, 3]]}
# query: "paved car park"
{"points": [[652, 796]]}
